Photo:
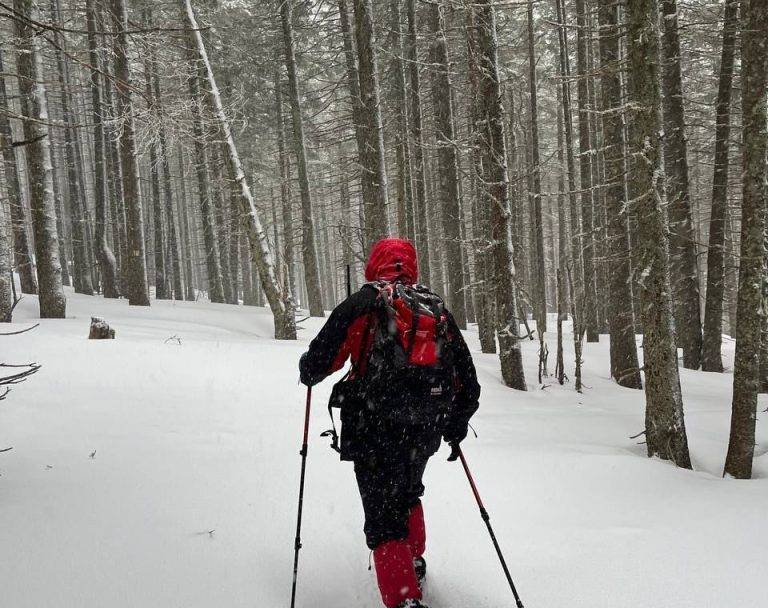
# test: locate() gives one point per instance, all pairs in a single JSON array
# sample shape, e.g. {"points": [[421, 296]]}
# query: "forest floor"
{"points": [[161, 469]]}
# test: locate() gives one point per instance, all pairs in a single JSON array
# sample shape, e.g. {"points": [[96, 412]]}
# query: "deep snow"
{"points": [[190, 497]]}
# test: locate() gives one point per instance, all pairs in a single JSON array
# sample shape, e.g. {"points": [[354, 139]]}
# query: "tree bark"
{"points": [[213, 269], [52, 301], [285, 190], [448, 177], [585, 156], [539, 276], [372, 156], [104, 255], [279, 300], [624, 363], [664, 419], [309, 249], [134, 260], [419, 183], [713, 311], [741, 445], [682, 244], [405, 216], [21, 246], [495, 180]]}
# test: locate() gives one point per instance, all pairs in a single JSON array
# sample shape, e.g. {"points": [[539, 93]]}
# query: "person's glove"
{"points": [[304, 374], [455, 451]]}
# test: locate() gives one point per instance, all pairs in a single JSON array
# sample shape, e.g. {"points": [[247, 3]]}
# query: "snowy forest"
{"points": [[586, 186]]}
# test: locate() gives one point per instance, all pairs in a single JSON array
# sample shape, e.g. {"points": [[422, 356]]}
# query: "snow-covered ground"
{"points": [[190, 498]]}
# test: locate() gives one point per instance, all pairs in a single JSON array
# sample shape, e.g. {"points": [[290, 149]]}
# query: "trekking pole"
{"points": [[487, 520], [297, 542]]}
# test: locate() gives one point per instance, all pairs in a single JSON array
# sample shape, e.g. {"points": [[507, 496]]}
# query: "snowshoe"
{"points": [[411, 604], [420, 566]]}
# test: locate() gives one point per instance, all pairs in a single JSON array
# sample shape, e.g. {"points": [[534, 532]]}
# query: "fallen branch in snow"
{"points": [[640, 434], [173, 338], [17, 378], [21, 331], [6, 450]]}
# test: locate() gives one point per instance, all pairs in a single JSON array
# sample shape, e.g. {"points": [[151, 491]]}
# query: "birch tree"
{"points": [[261, 255]]}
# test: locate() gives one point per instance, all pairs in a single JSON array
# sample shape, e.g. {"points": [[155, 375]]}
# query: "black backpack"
{"points": [[409, 374]]}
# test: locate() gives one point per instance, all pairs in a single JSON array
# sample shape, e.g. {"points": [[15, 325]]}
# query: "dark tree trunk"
{"points": [[104, 255], [682, 244], [52, 301], [309, 250], [624, 364], [741, 445], [491, 119], [713, 312], [372, 156], [134, 260], [539, 276], [405, 215], [447, 178], [21, 246], [664, 420], [419, 174], [585, 155], [285, 190]]}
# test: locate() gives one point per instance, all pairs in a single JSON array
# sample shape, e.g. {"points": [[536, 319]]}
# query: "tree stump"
{"points": [[100, 330]]}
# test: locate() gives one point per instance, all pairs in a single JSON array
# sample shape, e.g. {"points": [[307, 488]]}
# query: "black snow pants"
{"points": [[390, 484]]}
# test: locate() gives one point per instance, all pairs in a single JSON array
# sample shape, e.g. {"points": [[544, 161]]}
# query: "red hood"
{"points": [[392, 259]]}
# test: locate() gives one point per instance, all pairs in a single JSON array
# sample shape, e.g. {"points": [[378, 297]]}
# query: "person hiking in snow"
{"points": [[411, 382]]}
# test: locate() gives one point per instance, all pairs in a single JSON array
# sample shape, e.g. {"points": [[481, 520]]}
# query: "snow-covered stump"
{"points": [[100, 330]]}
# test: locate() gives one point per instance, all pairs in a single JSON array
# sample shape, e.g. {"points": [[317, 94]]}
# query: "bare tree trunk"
{"points": [[213, 269], [540, 275], [664, 420], [150, 67], [136, 270], [405, 215], [713, 312], [625, 368], [495, 180], [52, 301], [279, 299], [220, 204], [741, 445], [419, 177], [372, 156], [573, 206], [104, 255], [447, 178], [585, 155], [78, 208], [285, 189], [173, 242], [309, 249], [21, 247], [682, 254]]}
